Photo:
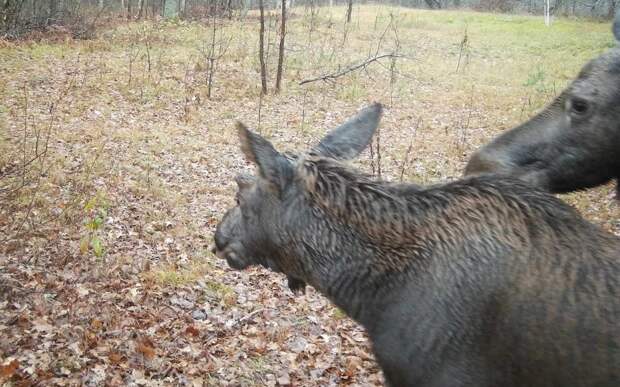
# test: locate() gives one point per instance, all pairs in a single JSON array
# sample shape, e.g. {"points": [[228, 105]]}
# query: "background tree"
{"points": [[281, 51], [18, 17], [261, 48], [349, 10]]}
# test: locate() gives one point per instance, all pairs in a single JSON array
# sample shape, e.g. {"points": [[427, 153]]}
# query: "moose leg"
{"points": [[297, 286]]}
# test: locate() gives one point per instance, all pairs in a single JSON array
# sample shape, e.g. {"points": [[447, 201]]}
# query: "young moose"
{"points": [[478, 282], [574, 143]]}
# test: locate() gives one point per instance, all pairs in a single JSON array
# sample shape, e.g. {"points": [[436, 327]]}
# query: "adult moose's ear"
{"points": [[349, 139], [272, 166], [617, 26]]}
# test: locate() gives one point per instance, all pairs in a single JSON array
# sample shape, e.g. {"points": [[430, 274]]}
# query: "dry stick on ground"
{"points": [[247, 317], [364, 64]]}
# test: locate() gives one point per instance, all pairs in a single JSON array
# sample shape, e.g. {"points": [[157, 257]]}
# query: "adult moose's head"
{"points": [[246, 234], [574, 143]]}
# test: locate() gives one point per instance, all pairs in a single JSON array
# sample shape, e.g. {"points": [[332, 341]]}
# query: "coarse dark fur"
{"points": [[574, 143], [478, 282]]}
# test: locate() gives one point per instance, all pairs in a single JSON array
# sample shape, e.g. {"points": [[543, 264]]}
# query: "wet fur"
{"points": [[478, 282]]}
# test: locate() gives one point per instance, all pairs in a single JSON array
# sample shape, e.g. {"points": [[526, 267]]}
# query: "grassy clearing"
{"points": [[133, 163]]}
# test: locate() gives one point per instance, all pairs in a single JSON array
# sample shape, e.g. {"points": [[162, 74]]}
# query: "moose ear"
{"points": [[272, 166], [349, 140], [617, 26]]}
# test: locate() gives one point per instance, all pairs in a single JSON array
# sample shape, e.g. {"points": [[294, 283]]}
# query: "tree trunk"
{"points": [[261, 48], [141, 12], [128, 9], [212, 53], [611, 13], [53, 13], [349, 10], [281, 53], [433, 4], [182, 8]]}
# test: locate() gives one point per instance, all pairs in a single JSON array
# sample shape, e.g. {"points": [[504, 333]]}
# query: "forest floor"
{"points": [[115, 166]]}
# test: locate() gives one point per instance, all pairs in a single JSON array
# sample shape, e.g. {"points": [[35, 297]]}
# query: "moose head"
{"points": [[574, 143], [247, 232]]}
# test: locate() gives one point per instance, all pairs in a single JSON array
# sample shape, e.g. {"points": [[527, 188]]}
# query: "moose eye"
{"points": [[579, 106]]}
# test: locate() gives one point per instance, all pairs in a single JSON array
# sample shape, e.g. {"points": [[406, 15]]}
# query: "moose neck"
{"points": [[343, 239], [349, 268]]}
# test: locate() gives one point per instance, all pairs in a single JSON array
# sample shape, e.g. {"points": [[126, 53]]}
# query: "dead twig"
{"points": [[246, 317], [364, 64], [414, 131]]}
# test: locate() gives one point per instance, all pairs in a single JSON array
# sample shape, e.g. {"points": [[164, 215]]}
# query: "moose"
{"points": [[572, 144], [483, 281]]}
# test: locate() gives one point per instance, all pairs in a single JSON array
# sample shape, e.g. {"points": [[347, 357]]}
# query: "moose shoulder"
{"points": [[478, 282], [574, 143]]}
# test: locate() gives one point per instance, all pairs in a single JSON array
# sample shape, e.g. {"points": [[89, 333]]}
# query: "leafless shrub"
{"points": [[25, 167], [406, 160], [214, 51]]}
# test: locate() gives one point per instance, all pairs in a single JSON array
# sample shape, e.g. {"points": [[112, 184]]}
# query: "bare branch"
{"points": [[364, 64]]}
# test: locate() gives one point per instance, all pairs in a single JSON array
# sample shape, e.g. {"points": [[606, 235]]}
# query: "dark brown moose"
{"points": [[574, 143], [481, 282]]}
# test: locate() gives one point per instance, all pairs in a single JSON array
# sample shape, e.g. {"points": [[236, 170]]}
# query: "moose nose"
{"points": [[212, 248]]}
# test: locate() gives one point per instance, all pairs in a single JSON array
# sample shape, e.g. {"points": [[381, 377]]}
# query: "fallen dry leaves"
{"points": [[105, 276]]}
